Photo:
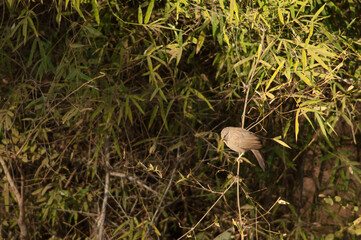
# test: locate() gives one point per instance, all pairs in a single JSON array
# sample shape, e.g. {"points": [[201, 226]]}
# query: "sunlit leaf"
{"points": [[149, 11], [297, 128], [274, 75], [281, 142]]}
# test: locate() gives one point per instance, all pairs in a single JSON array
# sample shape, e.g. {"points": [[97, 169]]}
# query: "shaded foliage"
{"points": [[161, 79]]}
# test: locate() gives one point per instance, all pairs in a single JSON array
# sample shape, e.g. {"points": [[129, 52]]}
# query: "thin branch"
{"points": [[101, 220], [179, 160], [252, 74], [133, 179], [19, 199], [214, 204], [51, 109], [238, 193]]}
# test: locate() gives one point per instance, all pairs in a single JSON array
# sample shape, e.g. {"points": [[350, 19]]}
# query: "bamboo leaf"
{"points": [[274, 75], [297, 127], [304, 59], [149, 11], [304, 78], [116, 143], [32, 50], [200, 95], [136, 104], [152, 117], [319, 60], [162, 113], [169, 107], [321, 124], [31, 23], [128, 111], [304, 113], [226, 39], [232, 8], [140, 15], [318, 12], [280, 15], [288, 124], [281, 142], [222, 4], [175, 146], [162, 95], [200, 42], [96, 11], [247, 59]]}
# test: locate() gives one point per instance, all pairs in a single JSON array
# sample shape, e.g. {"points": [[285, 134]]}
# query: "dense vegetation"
{"points": [[111, 113]]}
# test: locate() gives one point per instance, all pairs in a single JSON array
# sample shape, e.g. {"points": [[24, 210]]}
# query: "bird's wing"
{"points": [[245, 136]]}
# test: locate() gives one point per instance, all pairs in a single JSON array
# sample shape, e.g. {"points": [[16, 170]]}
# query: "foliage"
{"points": [[162, 78]]}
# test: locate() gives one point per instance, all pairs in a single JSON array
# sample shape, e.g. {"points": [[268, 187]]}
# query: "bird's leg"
{"points": [[239, 159]]}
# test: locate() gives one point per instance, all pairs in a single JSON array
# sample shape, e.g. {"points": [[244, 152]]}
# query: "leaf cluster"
{"points": [[161, 79]]}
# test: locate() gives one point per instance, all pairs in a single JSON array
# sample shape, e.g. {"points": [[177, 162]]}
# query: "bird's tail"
{"points": [[260, 159]]}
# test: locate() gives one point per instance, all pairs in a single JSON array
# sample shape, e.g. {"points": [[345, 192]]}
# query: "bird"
{"points": [[241, 140]]}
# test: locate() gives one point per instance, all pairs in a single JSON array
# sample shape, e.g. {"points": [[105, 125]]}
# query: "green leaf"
{"points": [[318, 12], [96, 11], [149, 11], [274, 75], [33, 26], [247, 59], [133, 98], [152, 117], [175, 146], [128, 111], [222, 4], [200, 95], [321, 124], [319, 60], [200, 42], [140, 15], [304, 78], [288, 124], [162, 113]]}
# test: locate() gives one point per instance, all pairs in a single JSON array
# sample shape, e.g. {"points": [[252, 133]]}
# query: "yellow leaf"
{"points": [[296, 123], [280, 15], [274, 75], [304, 78], [281, 142]]}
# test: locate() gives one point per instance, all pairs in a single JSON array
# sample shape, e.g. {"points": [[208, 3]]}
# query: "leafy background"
{"points": [[111, 113]]}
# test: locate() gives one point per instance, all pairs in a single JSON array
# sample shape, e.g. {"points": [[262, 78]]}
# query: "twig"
{"points": [[238, 199], [101, 220], [133, 179], [315, 135], [179, 160], [214, 204], [87, 214], [51, 109], [19, 199], [250, 79]]}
